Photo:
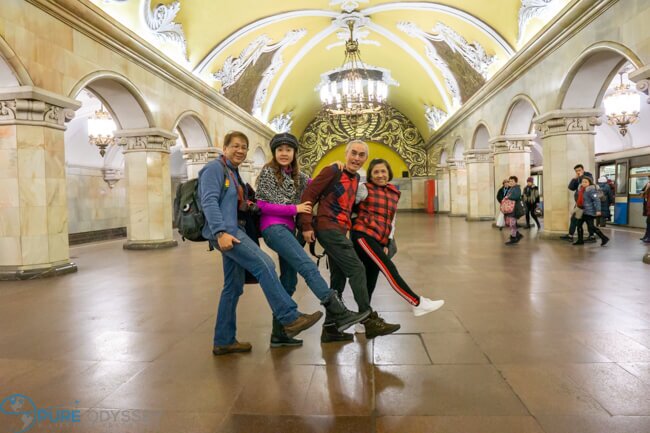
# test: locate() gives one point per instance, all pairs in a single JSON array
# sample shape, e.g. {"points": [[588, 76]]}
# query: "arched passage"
{"points": [[12, 71], [147, 179], [481, 137], [571, 131], [189, 154]]}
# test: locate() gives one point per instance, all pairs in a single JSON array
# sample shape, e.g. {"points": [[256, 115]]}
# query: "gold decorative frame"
{"points": [[389, 127]]}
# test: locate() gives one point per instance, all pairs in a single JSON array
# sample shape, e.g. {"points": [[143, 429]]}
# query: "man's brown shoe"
{"points": [[304, 321], [236, 347]]}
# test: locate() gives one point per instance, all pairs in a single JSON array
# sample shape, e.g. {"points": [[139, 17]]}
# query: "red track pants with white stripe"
{"points": [[375, 260]]}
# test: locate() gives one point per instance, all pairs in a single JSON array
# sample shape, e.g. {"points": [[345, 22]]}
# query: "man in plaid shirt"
{"points": [[335, 190]]}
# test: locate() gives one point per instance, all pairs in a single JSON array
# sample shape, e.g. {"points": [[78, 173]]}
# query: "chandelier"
{"points": [[622, 106], [355, 88], [100, 130]]}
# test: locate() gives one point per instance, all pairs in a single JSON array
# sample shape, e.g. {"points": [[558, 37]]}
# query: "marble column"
{"points": [[442, 189], [567, 140], [196, 158], [33, 200], [642, 79], [511, 157], [146, 155], [480, 185], [458, 188]]}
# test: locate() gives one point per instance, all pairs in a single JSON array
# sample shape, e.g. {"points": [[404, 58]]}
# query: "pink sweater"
{"points": [[277, 214]]}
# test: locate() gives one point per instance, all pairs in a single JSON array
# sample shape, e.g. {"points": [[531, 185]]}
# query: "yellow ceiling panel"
{"points": [[207, 23]]}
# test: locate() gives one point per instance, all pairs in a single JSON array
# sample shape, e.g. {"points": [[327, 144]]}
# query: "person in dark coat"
{"points": [[503, 190], [606, 201], [589, 203], [646, 211], [531, 200]]}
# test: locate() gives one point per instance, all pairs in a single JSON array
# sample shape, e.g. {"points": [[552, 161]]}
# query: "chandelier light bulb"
{"points": [[622, 106]]}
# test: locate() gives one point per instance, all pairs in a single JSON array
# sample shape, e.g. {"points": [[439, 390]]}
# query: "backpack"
{"points": [[188, 213], [601, 194]]}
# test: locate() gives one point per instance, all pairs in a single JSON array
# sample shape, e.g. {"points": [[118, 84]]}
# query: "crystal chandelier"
{"points": [[622, 106], [100, 130], [354, 88]]}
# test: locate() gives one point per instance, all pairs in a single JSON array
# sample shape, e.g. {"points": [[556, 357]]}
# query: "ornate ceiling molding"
{"points": [[282, 122], [473, 53], [315, 40], [389, 127], [418, 58], [447, 10], [233, 68], [160, 22], [256, 25], [528, 10], [434, 116], [414, 31], [348, 5]]}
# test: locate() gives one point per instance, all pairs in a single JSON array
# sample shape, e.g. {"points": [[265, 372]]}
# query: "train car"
{"points": [[630, 173]]}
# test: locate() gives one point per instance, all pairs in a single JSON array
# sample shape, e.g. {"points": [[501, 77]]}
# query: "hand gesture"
{"points": [[309, 236], [304, 207], [227, 242]]}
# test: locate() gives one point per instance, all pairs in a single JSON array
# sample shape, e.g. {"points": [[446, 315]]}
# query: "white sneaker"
{"points": [[359, 329], [426, 306]]}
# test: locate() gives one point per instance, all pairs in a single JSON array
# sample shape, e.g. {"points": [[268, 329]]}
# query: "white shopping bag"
{"points": [[501, 220]]}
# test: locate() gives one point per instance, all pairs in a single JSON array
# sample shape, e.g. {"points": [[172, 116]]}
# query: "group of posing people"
{"points": [[285, 197], [515, 204]]}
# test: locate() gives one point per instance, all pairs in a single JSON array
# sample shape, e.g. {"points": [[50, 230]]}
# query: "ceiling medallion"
{"points": [[355, 89]]}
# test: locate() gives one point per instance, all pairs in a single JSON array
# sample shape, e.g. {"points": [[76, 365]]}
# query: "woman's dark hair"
{"points": [[277, 168], [514, 178], [378, 161], [591, 181]]}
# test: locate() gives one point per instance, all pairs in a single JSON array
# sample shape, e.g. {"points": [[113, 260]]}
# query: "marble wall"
{"points": [[92, 204]]}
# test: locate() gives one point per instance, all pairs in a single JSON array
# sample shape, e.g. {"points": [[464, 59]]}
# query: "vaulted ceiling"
{"points": [[267, 56]]}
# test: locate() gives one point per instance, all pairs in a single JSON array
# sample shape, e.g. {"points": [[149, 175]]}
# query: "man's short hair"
{"points": [[579, 166], [234, 134], [514, 178], [349, 145]]}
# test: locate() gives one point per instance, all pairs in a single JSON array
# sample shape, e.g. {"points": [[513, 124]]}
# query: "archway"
{"points": [[12, 71], [481, 139], [443, 158], [142, 184], [458, 149], [574, 125], [190, 153]]}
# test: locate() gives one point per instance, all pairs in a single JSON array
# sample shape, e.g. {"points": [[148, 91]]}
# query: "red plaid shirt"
{"points": [[377, 211]]}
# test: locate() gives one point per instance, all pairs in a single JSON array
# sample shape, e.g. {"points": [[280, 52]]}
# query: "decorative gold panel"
{"points": [[389, 127]]}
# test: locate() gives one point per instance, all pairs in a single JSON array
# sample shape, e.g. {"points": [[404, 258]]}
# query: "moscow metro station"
{"points": [[515, 139]]}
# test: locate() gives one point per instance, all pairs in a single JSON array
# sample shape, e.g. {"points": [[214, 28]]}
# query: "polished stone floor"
{"points": [[542, 337]]}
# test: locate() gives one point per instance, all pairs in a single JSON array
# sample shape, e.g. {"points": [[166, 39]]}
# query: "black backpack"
{"points": [[188, 213]]}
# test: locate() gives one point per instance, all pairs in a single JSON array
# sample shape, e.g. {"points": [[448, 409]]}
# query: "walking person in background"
{"points": [[279, 188], [512, 208], [501, 193], [531, 200], [606, 200], [589, 203], [373, 230]]}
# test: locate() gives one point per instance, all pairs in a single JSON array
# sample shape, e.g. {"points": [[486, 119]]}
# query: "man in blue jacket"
{"points": [[223, 193], [574, 184]]}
